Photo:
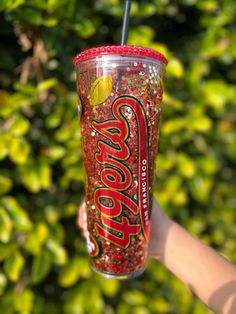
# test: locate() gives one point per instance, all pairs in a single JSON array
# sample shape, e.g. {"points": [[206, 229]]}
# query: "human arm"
{"points": [[209, 275]]}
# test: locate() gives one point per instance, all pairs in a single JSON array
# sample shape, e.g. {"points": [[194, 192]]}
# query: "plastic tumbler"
{"points": [[120, 92]]}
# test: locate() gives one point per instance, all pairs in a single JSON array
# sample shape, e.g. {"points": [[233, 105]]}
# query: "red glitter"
{"points": [[125, 50], [126, 80]]}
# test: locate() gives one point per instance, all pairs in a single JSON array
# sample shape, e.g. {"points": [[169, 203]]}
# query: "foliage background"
{"points": [[43, 260]]}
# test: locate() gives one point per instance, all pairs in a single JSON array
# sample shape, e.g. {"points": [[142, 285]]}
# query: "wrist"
{"points": [[159, 236]]}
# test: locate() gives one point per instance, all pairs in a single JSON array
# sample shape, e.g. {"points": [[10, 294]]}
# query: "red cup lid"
{"points": [[119, 50]]}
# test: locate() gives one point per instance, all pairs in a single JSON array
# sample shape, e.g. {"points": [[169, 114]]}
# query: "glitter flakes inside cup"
{"points": [[120, 84]]}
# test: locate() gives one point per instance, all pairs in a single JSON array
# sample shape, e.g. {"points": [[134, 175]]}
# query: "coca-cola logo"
{"points": [[116, 176]]}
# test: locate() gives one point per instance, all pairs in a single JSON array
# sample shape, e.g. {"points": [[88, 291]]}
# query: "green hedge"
{"points": [[43, 259]]}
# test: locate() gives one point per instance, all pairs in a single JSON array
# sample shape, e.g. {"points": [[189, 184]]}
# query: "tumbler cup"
{"points": [[120, 92]]}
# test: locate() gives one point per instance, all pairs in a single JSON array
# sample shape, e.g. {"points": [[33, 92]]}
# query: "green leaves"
{"points": [[10, 5], [24, 302], [5, 185], [41, 266], [134, 297], [36, 238], [5, 226], [46, 84], [36, 176], [59, 254], [7, 249], [175, 68], [18, 125], [76, 268], [44, 263], [14, 265], [200, 188], [19, 150], [18, 215], [3, 282]]}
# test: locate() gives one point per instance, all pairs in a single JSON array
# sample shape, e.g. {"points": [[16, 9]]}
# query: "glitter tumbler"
{"points": [[120, 92]]}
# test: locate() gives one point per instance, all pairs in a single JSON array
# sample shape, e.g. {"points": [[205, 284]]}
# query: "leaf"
{"points": [[24, 302], [50, 21], [200, 188], [70, 273], [19, 150], [14, 265], [216, 93], [45, 175], [134, 297], [18, 215], [141, 35], [3, 282], [180, 198], [52, 214], [3, 145], [100, 90], [32, 16], [172, 126], [5, 226], [145, 10], [201, 124], [70, 209], [85, 28], [47, 84], [159, 305], [36, 175], [186, 165], [75, 173], [208, 164], [19, 126], [36, 238], [27, 89], [5, 185], [56, 152], [175, 68], [109, 287], [30, 176], [58, 252], [39, 305], [13, 4], [7, 249], [42, 264]]}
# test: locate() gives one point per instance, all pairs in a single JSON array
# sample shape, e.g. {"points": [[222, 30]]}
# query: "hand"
{"points": [[159, 226], [82, 219]]}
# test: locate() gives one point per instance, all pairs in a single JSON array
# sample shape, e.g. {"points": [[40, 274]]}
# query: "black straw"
{"points": [[126, 22]]}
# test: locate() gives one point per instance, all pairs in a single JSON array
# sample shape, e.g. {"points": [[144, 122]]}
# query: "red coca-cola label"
{"points": [[114, 153]]}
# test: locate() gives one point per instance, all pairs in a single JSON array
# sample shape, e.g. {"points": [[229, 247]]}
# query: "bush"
{"points": [[43, 260]]}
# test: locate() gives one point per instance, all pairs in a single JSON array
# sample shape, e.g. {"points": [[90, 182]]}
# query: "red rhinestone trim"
{"points": [[123, 50]]}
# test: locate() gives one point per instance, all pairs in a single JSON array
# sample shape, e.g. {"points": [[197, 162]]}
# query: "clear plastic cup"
{"points": [[120, 93]]}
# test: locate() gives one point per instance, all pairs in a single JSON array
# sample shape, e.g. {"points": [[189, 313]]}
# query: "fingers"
{"points": [[82, 219]]}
